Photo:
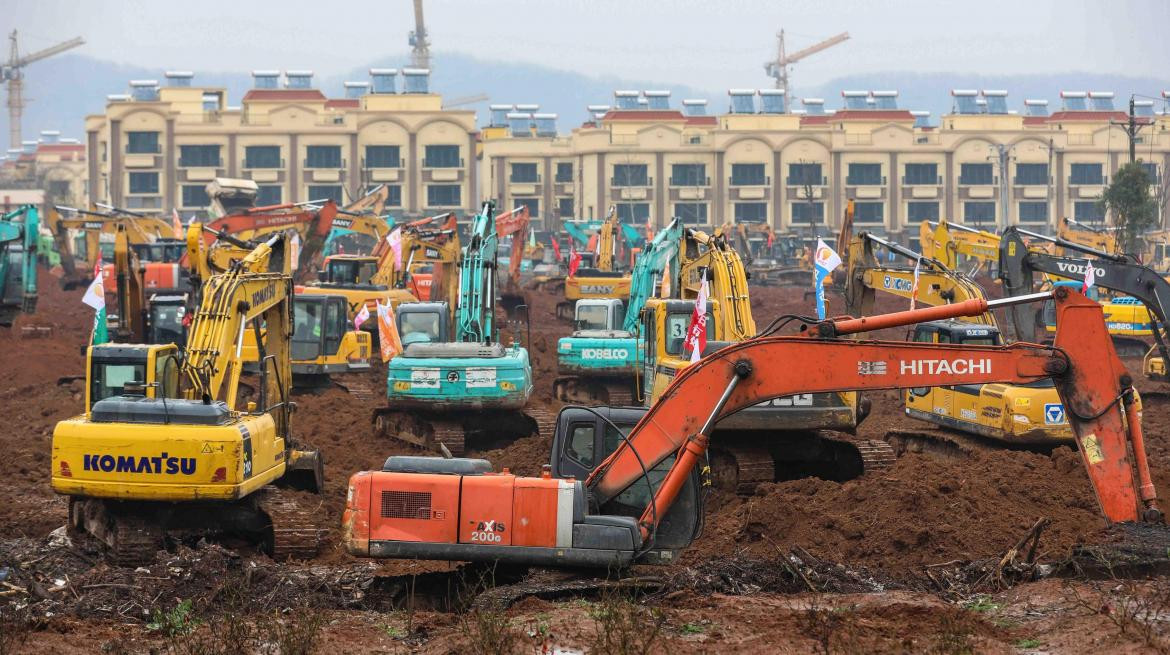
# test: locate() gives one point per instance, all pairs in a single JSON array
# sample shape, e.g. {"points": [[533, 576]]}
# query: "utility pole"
{"points": [[1131, 128], [1002, 157]]}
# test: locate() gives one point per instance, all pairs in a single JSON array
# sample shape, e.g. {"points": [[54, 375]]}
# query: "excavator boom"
{"points": [[1090, 377]]}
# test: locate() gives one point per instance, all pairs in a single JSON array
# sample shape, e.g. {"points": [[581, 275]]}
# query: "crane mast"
{"points": [[14, 76], [420, 54]]}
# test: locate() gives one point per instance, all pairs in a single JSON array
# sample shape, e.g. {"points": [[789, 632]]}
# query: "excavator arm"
{"points": [[1018, 265], [257, 286], [516, 224], [475, 313], [937, 284], [649, 268], [607, 241], [1091, 379], [131, 291], [312, 224]]}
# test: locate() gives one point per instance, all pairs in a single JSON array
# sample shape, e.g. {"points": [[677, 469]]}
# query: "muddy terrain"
{"points": [[930, 555]]}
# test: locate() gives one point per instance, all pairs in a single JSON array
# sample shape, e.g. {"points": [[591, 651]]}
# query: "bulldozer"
{"points": [[165, 446]]}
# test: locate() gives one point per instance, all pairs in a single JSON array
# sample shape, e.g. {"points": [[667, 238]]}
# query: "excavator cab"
{"points": [[599, 314], [423, 322], [119, 369], [584, 437], [166, 320], [664, 324], [319, 324], [350, 270]]}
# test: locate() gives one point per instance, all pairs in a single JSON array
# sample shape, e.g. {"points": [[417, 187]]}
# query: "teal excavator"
{"points": [[599, 362], [18, 263], [455, 378]]}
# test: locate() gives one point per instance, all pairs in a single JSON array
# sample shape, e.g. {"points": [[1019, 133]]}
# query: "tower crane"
{"points": [[12, 73], [778, 67], [420, 54]]}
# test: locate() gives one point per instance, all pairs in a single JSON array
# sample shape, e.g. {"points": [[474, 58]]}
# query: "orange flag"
{"points": [[388, 337]]}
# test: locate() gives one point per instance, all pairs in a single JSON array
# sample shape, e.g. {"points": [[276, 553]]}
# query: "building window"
{"points": [[870, 213], [748, 175], [262, 157], [565, 207], [976, 213], [802, 174], [144, 183], [1033, 212], [1151, 170], [442, 157], [630, 175], [59, 189], [1031, 174], [326, 192], [688, 175], [804, 213], [1086, 174], [864, 174], [269, 194], [751, 212], [533, 205], [142, 143], [195, 195], [564, 171], [916, 212], [383, 157], [524, 174], [1089, 212], [922, 174], [323, 157], [633, 212], [393, 195], [976, 174], [199, 156], [691, 213], [444, 195]]}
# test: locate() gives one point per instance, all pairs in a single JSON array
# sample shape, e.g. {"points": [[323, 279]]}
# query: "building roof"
{"points": [[343, 103], [644, 115], [702, 120], [278, 95], [873, 115], [61, 147], [1097, 116], [815, 119]]}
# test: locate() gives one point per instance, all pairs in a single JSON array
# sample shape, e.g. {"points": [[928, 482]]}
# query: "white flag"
{"points": [[295, 250], [914, 286], [826, 258], [95, 295], [1090, 277], [362, 317]]}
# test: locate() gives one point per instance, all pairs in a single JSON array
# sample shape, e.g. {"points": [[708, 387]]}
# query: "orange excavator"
{"points": [[643, 503], [514, 223], [311, 223]]}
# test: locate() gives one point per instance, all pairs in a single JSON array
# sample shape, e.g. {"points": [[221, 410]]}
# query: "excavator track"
{"points": [[449, 434], [295, 534], [357, 385], [876, 455], [546, 421], [580, 390], [740, 468], [134, 541]]}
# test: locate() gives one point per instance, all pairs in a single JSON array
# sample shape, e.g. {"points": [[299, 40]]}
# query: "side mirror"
{"points": [[321, 276]]}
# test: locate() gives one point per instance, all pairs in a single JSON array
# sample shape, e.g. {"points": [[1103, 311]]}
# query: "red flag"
{"points": [[771, 238], [556, 247], [697, 330], [574, 260]]}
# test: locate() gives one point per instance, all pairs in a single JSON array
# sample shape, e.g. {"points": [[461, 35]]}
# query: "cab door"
{"points": [[650, 341], [336, 322]]}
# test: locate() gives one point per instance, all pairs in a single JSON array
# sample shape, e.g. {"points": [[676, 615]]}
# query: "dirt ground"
{"points": [[882, 563]]}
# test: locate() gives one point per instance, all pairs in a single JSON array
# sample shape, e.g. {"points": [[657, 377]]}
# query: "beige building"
{"points": [[765, 162], [157, 148], [52, 164]]}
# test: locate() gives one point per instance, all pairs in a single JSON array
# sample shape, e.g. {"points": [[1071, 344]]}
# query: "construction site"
{"points": [[384, 374]]}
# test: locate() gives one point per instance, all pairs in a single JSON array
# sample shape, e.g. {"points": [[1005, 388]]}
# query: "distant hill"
{"points": [[63, 89]]}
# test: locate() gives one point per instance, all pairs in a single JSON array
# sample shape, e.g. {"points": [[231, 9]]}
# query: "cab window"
{"points": [[580, 446], [109, 378], [166, 374], [592, 317], [676, 330], [307, 321], [419, 327]]}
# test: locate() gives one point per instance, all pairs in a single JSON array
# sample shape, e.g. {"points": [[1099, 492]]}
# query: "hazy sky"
{"points": [[711, 44]]}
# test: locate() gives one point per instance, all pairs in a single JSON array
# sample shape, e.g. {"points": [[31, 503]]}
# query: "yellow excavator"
{"points": [[601, 279], [948, 242], [82, 235], [430, 250], [165, 446], [778, 439], [1019, 415]]}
